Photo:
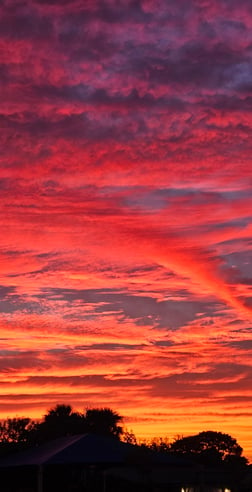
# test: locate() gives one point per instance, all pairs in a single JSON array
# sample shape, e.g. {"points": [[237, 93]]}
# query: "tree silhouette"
{"points": [[209, 447], [60, 411], [160, 444], [103, 421], [16, 430], [129, 437], [63, 421], [16, 434], [60, 421]]}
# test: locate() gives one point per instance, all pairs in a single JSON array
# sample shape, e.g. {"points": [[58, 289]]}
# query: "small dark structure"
{"points": [[92, 463]]}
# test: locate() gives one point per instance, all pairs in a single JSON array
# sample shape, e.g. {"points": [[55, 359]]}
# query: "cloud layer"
{"points": [[125, 188]]}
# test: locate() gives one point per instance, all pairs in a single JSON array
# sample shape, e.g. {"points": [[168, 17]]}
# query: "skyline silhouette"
{"points": [[125, 192]]}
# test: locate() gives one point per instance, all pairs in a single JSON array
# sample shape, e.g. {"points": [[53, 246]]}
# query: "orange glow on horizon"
{"points": [[126, 225]]}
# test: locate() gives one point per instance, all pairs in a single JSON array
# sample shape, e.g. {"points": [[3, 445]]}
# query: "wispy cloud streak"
{"points": [[125, 189]]}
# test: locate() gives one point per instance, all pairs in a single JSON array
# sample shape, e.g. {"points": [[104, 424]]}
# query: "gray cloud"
{"points": [[142, 309]]}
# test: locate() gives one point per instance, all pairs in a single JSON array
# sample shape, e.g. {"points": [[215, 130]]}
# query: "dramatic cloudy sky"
{"points": [[125, 191]]}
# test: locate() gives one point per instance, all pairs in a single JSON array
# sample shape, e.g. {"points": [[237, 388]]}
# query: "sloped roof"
{"points": [[84, 449]]}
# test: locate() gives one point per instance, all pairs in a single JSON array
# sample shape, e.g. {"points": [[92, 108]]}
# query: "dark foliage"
{"points": [[16, 430], [58, 422], [210, 447], [18, 433], [103, 421]]}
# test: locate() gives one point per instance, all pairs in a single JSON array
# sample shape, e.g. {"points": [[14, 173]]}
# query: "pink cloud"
{"points": [[126, 211]]}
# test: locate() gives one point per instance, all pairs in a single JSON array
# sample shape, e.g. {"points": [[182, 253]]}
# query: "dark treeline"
{"points": [[60, 421], [208, 447]]}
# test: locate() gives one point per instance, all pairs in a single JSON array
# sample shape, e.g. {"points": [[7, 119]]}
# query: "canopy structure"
{"points": [[82, 449], [93, 452]]}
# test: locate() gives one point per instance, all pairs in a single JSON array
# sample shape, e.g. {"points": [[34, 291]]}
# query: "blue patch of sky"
{"points": [[155, 199], [238, 223]]}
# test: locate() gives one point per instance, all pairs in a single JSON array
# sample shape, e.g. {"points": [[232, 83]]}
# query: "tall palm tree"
{"points": [[61, 421], [104, 421]]}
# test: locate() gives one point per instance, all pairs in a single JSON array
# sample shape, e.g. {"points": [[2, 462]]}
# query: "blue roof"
{"points": [[86, 449]]}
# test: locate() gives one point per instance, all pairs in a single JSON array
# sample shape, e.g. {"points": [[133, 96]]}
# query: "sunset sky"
{"points": [[126, 204]]}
